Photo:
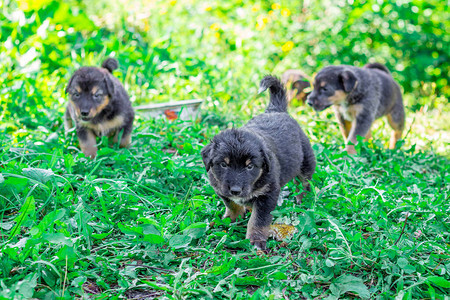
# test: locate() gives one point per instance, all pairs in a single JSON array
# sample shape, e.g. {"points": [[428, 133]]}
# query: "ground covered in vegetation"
{"points": [[144, 222]]}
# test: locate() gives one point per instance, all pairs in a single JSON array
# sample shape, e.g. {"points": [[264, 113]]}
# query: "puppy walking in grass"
{"points": [[359, 96], [248, 166], [99, 106]]}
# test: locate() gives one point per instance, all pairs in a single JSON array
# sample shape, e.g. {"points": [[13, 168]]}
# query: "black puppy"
{"points": [[99, 106], [359, 96], [248, 166]]}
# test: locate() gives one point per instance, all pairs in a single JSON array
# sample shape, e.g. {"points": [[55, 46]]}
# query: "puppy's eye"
{"points": [[324, 89], [223, 165], [250, 167], [76, 95], [97, 97]]}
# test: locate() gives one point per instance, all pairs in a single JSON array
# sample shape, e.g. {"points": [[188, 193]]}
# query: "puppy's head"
{"points": [[297, 84], [331, 86], [90, 90], [235, 160]]}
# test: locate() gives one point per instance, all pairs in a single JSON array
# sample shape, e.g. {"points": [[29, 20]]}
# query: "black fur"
{"points": [[99, 106], [360, 95], [110, 64], [248, 166]]}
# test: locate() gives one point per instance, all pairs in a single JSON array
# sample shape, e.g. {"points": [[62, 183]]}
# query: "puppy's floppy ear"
{"points": [[348, 80], [266, 160], [109, 85], [207, 156], [69, 84]]}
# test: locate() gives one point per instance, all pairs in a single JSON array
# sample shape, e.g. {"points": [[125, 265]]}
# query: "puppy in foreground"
{"points": [[297, 84], [248, 166], [359, 96], [99, 106]]}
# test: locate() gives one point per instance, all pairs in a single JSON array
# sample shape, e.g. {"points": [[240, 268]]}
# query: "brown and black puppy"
{"points": [[359, 96], [297, 84], [248, 166], [99, 106]]}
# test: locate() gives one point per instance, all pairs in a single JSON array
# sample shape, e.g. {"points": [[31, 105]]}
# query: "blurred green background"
{"points": [[218, 51]]}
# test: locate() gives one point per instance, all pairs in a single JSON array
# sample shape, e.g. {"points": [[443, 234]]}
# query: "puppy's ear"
{"points": [[69, 84], [109, 85], [348, 80], [207, 156], [266, 162]]}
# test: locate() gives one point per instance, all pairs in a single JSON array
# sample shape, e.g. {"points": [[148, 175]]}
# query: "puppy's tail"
{"points": [[377, 66], [278, 100], [110, 64]]}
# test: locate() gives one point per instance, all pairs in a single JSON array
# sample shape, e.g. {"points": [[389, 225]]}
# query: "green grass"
{"points": [[144, 222], [138, 222]]}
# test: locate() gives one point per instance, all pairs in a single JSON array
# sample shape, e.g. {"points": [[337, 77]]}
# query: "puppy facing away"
{"points": [[359, 96], [248, 166], [99, 106], [296, 82]]}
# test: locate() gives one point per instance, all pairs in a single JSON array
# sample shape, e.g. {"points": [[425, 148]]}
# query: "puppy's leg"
{"points": [[360, 127], [344, 125], [258, 225], [307, 170], [88, 143], [396, 119], [68, 122], [125, 140], [233, 210]]}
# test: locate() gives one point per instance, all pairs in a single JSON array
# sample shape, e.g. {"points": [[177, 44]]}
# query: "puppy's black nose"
{"points": [[235, 190], [84, 113]]}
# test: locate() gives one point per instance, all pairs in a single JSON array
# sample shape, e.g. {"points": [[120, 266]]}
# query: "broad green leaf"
{"points": [[131, 230], [57, 238], [196, 230], [250, 280], [402, 262], [439, 281], [41, 175], [27, 208], [179, 241], [349, 283]]}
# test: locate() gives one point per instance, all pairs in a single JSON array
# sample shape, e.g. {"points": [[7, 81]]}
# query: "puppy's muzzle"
{"points": [[309, 100], [235, 190]]}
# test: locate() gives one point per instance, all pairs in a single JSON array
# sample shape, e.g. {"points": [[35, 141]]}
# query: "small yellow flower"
{"points": [[214, 27], [208, 8], [256, 7], [285, 12], [262, 19], [58, 27], [217, 35], [276, 6], [173, 2], [260, 26], [271, 12], [288, 46]]}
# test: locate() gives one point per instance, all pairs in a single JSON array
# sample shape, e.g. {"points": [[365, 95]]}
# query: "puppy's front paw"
{"points": [[260, 245], [350, 149]]}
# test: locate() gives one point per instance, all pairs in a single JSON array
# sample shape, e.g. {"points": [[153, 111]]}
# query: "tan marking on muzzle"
{"points": [[338, 97], [76, 108]]}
